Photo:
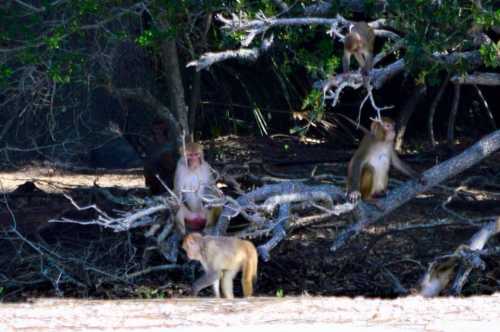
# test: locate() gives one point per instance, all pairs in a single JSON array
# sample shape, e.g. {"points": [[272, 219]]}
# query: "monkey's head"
{"points": [[192, 245], [194, 155], [385, 130]]}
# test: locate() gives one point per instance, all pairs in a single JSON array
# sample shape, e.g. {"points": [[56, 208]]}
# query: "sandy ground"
{"points": [[52, 181], [256, 314]]}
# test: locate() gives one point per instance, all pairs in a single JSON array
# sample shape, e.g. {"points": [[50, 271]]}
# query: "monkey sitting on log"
{"points": [[368, 170], [191, 175]]}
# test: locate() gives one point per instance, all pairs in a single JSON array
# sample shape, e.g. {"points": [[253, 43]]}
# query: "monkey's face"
{"points": [[193, 159], [390, 132]]}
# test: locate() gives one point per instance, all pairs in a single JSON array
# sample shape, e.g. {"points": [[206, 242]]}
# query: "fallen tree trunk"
{"points": [[255, 314]]}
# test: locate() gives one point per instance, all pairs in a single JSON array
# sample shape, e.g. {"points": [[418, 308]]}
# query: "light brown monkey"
{"points": [[222, 257], [368, 170], [192, 174], [438, 277], [359, 42], [440, 273]]}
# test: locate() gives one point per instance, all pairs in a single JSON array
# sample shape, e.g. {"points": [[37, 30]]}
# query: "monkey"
{"points": [[438, 277], [368, 169], [222, 257], [161, 160], [440, 272], [359, 42], [191, 175]]}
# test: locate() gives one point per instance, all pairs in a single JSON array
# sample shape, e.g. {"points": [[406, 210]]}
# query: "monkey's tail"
{"points": [[249, 270]]}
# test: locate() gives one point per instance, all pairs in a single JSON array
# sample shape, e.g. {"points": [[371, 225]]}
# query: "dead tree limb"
{"points": [[245, 54], [490, 79], [437, 174], [491, 119], [249, 200], [278, 233]]}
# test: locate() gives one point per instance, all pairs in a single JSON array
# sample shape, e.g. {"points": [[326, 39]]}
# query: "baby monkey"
{"points": [[222, 257], [359, 42]]}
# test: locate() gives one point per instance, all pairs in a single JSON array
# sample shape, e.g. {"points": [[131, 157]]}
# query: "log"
{"points": [[255, 314]]}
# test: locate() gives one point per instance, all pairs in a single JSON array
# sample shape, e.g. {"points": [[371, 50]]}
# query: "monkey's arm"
{"points": [[180, 216], [353, 179], [206, 280], [402, 166]]}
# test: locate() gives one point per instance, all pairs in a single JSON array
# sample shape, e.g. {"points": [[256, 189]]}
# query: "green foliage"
{"points": [[5, 73], [280, 293], [488, 19], [431, 29], [145, 292], [491, 54]]}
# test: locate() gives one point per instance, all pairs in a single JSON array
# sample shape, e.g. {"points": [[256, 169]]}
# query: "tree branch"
{"points": [[490, 79]]}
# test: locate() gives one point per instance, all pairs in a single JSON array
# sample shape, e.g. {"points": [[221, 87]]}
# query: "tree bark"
{"points": [[174, 82], [432, 110], [194, 101]]}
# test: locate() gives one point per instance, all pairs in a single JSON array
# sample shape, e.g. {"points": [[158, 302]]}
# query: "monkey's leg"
{"points": [[367, 186], [216, 287], [366, 183], [360, 59], [227, 283], [209, 278]]}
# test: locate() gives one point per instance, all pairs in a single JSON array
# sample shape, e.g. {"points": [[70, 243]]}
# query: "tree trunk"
{"points": [[174, 82], [432, 110], [196, 88], [453, 115]]}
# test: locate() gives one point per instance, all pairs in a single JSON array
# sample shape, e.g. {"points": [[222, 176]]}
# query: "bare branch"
{"points": [[490, 79], [208, 59], [128, 221]]}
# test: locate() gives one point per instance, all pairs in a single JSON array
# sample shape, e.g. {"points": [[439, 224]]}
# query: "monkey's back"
{"points": [[231, 253], [358, 30]]}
